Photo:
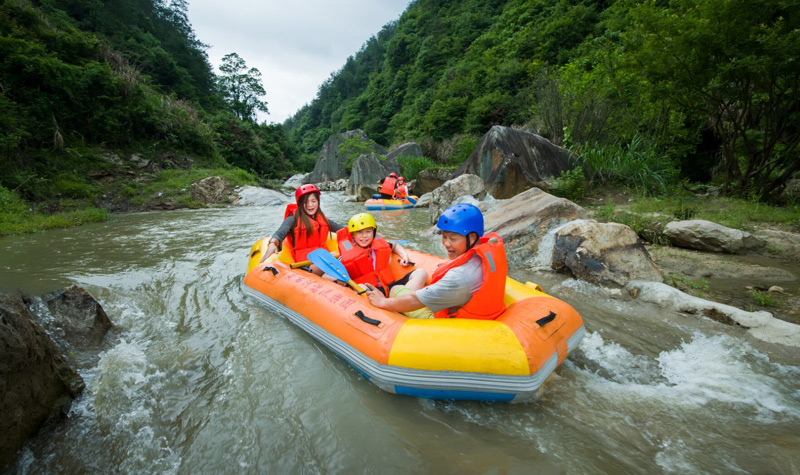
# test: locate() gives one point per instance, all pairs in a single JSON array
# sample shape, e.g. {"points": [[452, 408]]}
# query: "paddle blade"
{"points": [[411, 199], [329, 265]]}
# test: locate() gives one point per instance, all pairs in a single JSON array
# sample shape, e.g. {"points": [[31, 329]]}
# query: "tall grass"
{"points": [[636, 165]]}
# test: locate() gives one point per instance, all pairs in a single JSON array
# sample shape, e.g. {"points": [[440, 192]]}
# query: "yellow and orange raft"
{"points": [[506, 359]]}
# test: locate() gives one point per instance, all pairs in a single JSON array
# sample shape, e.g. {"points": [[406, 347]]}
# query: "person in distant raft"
{"points": [[402, 189], [470, 285], [305, 225], [388, 185], [366, 256]]}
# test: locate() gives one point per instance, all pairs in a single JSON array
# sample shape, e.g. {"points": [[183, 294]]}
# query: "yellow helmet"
{"points": [[361, 221]]}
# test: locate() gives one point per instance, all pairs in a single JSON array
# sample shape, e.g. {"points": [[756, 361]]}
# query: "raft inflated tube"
{"points": [[506, 359]]}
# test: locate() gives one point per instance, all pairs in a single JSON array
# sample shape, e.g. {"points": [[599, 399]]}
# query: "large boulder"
{"points": [[511, 161], [295, 181], [257, 196], [445, 195], [35, 379], [331, 165], [212, 190], [606, 254], [706, 236], [406, 150], [74, 315], [524, 220], [367, 171], [780, 243], [430, 179]]}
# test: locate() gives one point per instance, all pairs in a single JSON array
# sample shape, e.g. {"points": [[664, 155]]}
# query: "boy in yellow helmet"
{"points": [[366, 255]]}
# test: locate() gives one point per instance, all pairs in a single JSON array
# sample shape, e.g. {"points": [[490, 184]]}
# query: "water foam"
{"points": [[704, 370]]}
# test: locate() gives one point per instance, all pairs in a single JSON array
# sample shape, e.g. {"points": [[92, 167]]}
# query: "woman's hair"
{"points": [[300, 216]]}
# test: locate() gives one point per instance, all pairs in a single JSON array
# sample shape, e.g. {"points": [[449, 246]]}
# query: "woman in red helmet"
{"points": [[305, 226], [402, 189]]}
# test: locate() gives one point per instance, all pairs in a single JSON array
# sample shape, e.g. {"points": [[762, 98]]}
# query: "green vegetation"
{"points": [[354, 147], [644, 94], [83, 80], [698, 287], [411, 166], [764, 299], [177, 185], [732, 212], [17, 218]]}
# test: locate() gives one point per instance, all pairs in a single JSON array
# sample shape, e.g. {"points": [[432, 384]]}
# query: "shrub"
{"points": [[411, 166]]}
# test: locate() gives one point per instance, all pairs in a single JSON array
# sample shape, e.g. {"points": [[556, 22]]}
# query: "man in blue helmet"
{"points": [[471, 284]]}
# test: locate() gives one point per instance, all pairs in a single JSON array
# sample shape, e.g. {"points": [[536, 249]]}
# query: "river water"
{"points": [[198, 378]]}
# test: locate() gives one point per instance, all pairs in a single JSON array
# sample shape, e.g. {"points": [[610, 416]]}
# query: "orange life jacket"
{"points": [[305, 244], [388, 186], [487, 302], [402, 191], [358, 261]]}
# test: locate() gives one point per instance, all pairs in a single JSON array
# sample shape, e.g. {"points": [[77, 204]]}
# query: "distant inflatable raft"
{"points": [[377, 204], [506, 359]]}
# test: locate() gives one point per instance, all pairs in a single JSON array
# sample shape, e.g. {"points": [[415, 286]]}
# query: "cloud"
{"points": [[295, 45]]}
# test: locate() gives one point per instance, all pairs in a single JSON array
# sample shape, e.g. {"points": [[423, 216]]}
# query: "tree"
{"points": [[733, 62], [241, 87]]}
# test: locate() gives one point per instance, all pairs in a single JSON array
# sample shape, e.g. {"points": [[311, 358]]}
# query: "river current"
{"points": [[199, 378]]}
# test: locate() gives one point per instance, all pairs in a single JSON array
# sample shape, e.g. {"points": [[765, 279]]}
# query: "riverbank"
{"points": [[176, 188], [766, 280]]}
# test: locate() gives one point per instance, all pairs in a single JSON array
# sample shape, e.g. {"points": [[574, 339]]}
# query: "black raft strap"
{"points": [[546, 319], [366, 319], [272, 269]]}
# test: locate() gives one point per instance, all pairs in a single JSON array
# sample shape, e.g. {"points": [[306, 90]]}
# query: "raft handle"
{"points": [[547, 319], [270, 268], [366, 319]]}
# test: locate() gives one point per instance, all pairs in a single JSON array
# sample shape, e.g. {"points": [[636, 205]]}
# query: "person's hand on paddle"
{"points": [[374, 295]]}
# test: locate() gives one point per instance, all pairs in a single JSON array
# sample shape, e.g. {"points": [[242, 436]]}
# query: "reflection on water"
{"points": [[201, 378]]}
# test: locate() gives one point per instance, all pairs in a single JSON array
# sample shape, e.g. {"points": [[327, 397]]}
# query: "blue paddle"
{"points": [[411, 199], [329, 265]]}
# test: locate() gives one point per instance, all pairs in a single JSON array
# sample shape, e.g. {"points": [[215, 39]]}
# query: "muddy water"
{"points": [[200, 379]]}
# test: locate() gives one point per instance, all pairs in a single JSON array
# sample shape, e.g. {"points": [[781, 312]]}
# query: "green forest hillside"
{"points": [[646, 93], [86, 85]]}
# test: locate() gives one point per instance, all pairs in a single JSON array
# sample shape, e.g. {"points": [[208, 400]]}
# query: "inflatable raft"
{"points": [[506, 359], [377, 204]]}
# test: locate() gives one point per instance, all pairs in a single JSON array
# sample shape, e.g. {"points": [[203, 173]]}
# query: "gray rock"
{"points": [[524, 220], [712, 237], [424, 201], [367, 171], [444, 196], [606, 254], [211, 190], [430, 179], [35, 378], [257, 196], [295, 181], [761, 325], [408, 149], [331, 165], [510, 161], [779, 244], [364, 193]]}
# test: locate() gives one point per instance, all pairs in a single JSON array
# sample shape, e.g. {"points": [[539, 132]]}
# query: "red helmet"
{"points": [[304, 190], [402, 179], [393, 175]]}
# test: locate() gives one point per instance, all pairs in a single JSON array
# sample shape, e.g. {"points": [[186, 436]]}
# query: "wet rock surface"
{"points": [[606, 254], [36, 379]]}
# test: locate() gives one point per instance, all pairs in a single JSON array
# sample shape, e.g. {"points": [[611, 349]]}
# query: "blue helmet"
{"points": [[462, 219]]}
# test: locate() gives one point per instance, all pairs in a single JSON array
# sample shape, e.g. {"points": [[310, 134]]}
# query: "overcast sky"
{"points": [[295, 44]]}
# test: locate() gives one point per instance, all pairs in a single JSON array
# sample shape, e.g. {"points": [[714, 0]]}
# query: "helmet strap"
{"points": [[471, 245]]}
